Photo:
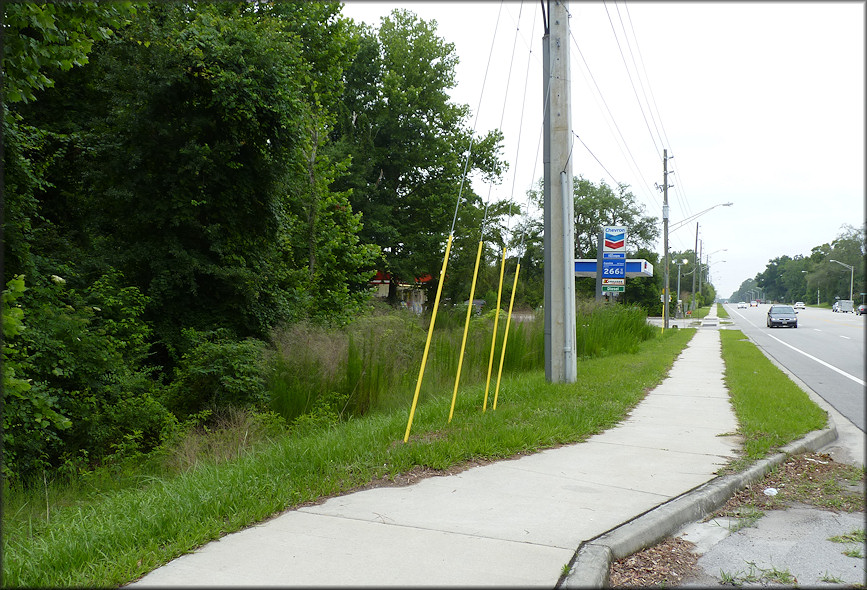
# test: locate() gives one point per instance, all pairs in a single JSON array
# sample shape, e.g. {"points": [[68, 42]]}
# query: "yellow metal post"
{"points": [[433, 319], [466, 330], [663, 312], [494, 336], [506, 335]]}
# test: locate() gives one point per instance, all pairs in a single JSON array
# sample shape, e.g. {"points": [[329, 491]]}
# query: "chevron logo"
{"points": [[614, 243]]}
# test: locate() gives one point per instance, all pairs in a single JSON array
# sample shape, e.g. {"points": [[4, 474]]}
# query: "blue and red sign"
{"points": [[614, 239]]}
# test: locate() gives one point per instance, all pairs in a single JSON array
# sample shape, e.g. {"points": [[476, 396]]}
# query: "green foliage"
{"points": [[87, 389], [58, 35], [217, 371], [406, 141], [595, 206], [30, 416]]}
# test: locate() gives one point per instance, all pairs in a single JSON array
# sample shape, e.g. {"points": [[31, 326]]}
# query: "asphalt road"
{"points": [[826, 352]]}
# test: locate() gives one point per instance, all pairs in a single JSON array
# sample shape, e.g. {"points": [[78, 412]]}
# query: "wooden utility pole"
{"points": [[695, 270], [560, 361], [665, 289]]}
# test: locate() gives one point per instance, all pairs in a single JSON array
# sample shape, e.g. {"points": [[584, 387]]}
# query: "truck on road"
{"points": [[844, 306]]}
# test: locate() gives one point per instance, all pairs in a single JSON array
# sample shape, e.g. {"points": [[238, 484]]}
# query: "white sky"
{"points": [[763, 105]]}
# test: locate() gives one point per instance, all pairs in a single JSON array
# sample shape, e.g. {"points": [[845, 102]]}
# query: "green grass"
{"points": [[111, 536], [700, 312], [772, 411], [721, 311]]}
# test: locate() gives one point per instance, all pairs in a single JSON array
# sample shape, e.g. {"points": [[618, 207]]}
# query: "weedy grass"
{"points": [[856, 536], [721, 311], [771, 410], [109, 536], [758, 575]]}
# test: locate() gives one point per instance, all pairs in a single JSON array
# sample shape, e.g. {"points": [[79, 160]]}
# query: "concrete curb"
{"points": [[592, 561]]}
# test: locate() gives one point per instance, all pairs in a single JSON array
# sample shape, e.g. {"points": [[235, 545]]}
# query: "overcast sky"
{"points": [[761, 105]]}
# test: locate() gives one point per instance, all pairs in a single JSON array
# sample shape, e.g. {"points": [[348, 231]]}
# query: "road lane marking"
{"points": [[846, 337], [745, 319], [820, 361]]}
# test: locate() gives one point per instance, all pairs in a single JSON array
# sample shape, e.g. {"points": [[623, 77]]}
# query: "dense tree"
{"points": [[407, 141], [170, 194], [814, 278], [207, 182], [595, 206]]}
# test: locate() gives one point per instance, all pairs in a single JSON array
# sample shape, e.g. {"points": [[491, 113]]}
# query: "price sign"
{"points": [[614, 269]]}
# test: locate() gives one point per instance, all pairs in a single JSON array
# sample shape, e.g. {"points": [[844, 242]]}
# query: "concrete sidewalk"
{"points": [[511, 523]]}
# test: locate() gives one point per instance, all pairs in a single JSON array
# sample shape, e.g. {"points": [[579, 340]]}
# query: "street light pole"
{"points": [[851, 279]]}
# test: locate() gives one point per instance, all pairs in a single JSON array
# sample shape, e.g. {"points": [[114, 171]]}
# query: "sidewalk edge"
{"points": [[592, 560]]}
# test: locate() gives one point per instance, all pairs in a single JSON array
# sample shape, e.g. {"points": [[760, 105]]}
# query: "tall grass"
{"points": [[373, 364], [609, 329]]}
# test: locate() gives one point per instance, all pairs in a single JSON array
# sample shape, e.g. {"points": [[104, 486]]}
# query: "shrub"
{"points": [[82, 390], [217, 371]]}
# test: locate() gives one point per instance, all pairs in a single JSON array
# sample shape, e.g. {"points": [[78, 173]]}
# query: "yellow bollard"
{"points": [[506, 335], [494, 336], [433, 319], [466, 329]]}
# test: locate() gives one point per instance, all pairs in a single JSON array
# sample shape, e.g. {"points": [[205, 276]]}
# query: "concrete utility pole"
{"points": [[560, 362], [700, 246]]}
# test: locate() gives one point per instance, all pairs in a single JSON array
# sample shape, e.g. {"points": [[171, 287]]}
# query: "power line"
{"points": [[678, 187], [616, 182], [631, 83], [637, 168], [637, 73], [478, 110]]}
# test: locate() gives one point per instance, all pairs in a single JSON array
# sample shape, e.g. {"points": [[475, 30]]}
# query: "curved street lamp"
{"points": [[851, 279], [676, 226], [679, 224]]}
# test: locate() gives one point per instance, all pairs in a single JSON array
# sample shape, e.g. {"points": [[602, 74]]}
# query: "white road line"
{"points": [[846, 337], [743, 317], [820, 361]]}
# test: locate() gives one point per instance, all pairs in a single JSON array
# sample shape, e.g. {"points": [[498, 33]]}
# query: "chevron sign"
{"points": [[614, 239]]}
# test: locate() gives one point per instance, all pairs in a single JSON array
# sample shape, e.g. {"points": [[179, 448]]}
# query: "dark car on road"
{"points": [[861, 309], [782, 315]]}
